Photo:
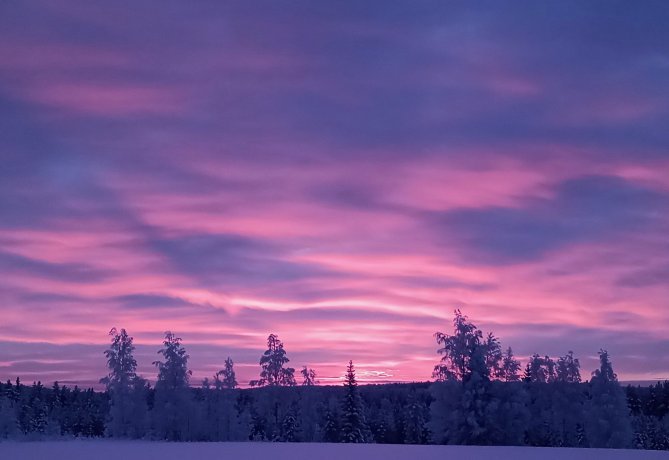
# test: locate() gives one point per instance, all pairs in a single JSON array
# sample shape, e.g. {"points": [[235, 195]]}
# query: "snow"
{"points": [[131, 450]]}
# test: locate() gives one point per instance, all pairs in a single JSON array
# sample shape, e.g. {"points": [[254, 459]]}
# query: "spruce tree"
{"points": [[353, 426], [493, 356], [120, 361], [608, 423], [225, 378], [37, 409], [8, 425], [330, 427], [472, 421], [290, 426], [510, 367], [414, 420], [171, 412], [173, 373], [272, 362], [127, 406]]}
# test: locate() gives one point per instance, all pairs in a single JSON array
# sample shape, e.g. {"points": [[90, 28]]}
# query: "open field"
{"points": [[131, 450]]}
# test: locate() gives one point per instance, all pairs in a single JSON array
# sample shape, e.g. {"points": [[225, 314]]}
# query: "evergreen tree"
{"points": [[139, 410], [415, 431], [510, 367], [608, 424], [258, 424], [120, 361], [173, 373], [456, 349], [493, 356], [527, 374], [471, 421], [581, 437], [540, 370], [566, 410], [171, 416], [54, 408], [8, 425], [16, 395], [308, 376], [330, 427], [272, 362], [464, 413], [225, 378], [353, 425], [37, 410], [507, 415], [605, 372], [128, 409], [568, 369], [290, 426], [551, 374], [657, 401], [633, 400]]}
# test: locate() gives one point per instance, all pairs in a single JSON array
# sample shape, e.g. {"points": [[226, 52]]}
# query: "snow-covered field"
{"points": [[131, 450]]}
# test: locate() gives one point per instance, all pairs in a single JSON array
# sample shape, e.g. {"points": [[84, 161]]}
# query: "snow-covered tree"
{"points": [[353, 425], [510, 367], [650, 433], [608, 422], [127, 412], [173, 372], [456, 349], [308, 376], [8, 425], [568, 369], [605, 372], [290, 426], [467, 413], [567, 413], [242, 424], [8, 409], [38, 410], [541, 370], [225, 378], [330, 427], [257, 426], [493, 356], [477, 410], [415, 416], [171, 412], [120, 361], [507, 417], [471, 425], [272, 362]]}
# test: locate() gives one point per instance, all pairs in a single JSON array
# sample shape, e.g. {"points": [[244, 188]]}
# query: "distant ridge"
{"points": [[642, 383]]}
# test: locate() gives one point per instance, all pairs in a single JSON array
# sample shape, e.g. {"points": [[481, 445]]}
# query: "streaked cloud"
{"points": [[342, 175]]}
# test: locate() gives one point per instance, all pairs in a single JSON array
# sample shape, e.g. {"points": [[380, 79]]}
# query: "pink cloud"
{"points": [[186, 175], [107, 100]]}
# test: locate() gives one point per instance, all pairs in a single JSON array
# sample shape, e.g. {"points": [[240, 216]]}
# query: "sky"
{"points": [[343, 174]]}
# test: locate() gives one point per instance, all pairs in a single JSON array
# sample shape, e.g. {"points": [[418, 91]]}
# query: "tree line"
{"points": [[480, 395]]}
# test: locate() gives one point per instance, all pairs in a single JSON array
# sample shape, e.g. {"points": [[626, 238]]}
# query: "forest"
{"points": [[480, 396]]}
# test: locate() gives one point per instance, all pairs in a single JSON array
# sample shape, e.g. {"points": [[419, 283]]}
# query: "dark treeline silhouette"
{"points": [[479, 397]]}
